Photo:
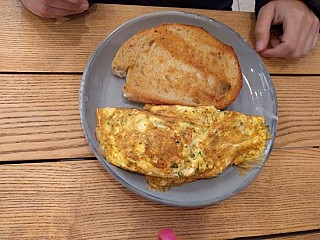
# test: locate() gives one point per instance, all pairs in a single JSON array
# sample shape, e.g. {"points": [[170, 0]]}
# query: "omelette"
{"points": [[173, 145]]}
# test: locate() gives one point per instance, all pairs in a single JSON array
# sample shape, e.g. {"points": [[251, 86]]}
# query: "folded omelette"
{"points": [[172, 145]]}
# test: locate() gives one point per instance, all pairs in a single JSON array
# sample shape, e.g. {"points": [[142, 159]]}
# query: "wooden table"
{"points": [[52, 186]]}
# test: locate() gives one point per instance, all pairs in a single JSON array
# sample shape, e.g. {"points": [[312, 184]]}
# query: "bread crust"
{"points": [[178, 64]]}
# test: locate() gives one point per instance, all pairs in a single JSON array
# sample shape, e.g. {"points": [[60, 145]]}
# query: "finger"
{"points": [[291, 40], [302, 45], [315, 41], [275, 41], [50, 12], [309, 30], [66, 5], [263, 25], [313, 35], [316, 29], [308, 47], [73, 1]]}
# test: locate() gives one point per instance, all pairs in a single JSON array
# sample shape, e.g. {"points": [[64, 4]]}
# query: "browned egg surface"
{"points": [[173, 145]]}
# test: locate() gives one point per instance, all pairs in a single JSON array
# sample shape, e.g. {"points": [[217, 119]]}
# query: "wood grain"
{"points": [[50, 190], [39, 116], [64, 45], [80, 200], [295, 236], [299, 111]]}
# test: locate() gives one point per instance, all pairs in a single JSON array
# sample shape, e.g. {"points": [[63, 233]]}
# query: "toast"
{"points": [[178, 64]]}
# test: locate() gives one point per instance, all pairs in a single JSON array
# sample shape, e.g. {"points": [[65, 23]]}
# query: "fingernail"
{"points": [[84, 6], [259, 46]]}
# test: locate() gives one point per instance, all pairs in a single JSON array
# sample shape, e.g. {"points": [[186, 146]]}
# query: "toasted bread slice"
{"points": [[178, 64]]}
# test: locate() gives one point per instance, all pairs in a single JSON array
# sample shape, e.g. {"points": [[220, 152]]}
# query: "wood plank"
{"points": [[46, 45], [80, 200], [299, 111], [294, 236], [39, 116]]}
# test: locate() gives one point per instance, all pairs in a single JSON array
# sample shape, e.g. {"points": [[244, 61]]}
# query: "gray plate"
{"points": [[100, 88]]}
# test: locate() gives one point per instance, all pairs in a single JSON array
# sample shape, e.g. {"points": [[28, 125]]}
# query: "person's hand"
{"points": [[55, 8], [300, 29]]}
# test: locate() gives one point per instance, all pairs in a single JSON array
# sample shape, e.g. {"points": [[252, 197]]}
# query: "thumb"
{"points": [[263, 26]]}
